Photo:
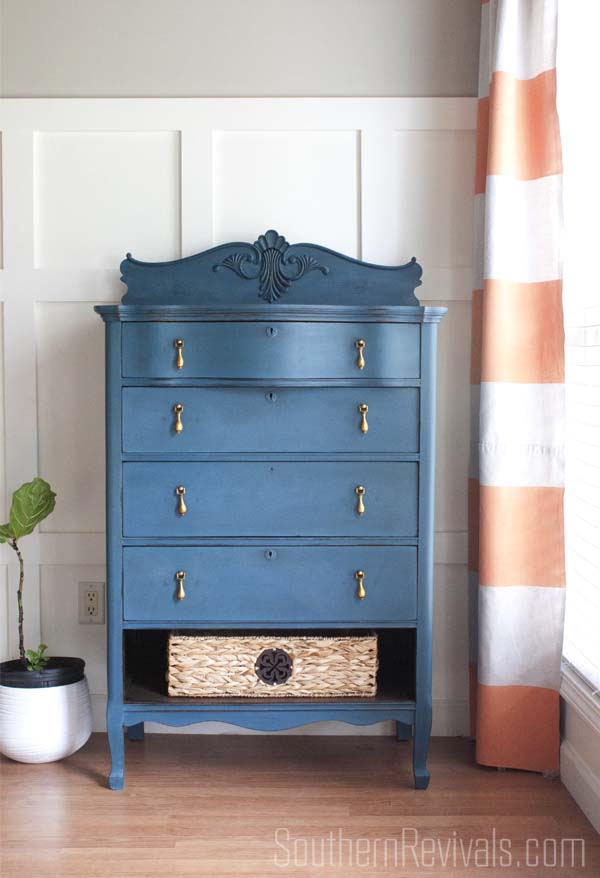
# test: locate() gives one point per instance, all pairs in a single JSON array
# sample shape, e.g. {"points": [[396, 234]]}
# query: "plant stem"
{"points": [[20, 601]]}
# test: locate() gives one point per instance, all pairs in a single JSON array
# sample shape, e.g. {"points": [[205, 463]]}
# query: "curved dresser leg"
{"points": [[136, 732], [116, 740], [420, 748], [403, 731]]}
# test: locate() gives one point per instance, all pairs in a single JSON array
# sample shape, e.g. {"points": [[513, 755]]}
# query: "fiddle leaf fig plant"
{"points": [[36, 660], [31, 504]]}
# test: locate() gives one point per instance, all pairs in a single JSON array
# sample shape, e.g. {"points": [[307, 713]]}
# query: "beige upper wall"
{"points": [[183, 48]]}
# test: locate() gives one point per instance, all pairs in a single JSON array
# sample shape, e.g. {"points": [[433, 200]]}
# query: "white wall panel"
{"points": [[433, 196], [453, 418], [4, 607], [97, 194], [1, 211], [5, 652], [84, 181], [60, 628], [3, 503], [450, 634], [70, 381], [303, 183]]}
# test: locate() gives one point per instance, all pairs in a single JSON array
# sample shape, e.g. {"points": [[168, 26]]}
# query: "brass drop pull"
{"points": [[360, 590], [178, 409], [178, 343], [180, 576], [360, 505], [363, 409], [360, 345], [181, 507]]}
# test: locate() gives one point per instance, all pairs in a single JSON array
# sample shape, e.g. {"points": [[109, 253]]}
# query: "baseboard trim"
{"points": [[578, 693], [450, 720], [581, 782], [581, 779]]}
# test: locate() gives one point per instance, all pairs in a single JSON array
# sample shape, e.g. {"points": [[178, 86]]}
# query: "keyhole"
{"points": [[270, 555], [270, 396], [271, 330]]}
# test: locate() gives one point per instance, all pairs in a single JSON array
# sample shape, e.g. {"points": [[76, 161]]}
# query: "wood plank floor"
{"points": [[211, 806]]}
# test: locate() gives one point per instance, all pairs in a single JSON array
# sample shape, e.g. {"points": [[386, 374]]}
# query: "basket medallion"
{"points": [[274, 666]]}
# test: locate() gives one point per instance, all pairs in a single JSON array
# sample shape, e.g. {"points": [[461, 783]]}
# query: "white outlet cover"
{"points": [[84, 616]]}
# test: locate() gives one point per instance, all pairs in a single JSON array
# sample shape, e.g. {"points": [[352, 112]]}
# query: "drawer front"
{"points": [[310, 585], [269, 499], [250, 419], [270, 350]]}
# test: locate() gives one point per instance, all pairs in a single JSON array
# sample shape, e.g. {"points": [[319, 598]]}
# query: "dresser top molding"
{"points": [[269, 279]]}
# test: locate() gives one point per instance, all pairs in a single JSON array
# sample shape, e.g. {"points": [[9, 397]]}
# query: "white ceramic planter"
{"points": [[45, 724]]}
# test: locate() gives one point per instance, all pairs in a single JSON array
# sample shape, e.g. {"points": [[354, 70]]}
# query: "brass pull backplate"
{"points": [[181, 507], [360, 503], [178, 344], [180, 576], [360, 345], [178, 409], [363, 409], [360, 589]]}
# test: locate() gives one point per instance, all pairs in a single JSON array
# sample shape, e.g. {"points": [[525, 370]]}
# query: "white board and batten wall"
{"points": [[84, 181]]}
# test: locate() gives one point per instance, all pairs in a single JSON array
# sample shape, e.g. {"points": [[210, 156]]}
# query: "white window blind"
{"points": [[578, 93]]}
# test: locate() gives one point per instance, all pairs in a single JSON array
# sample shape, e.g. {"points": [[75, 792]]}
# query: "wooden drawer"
{"points": [[286, 419], [300, 584], [269, 499], [271, 350]]}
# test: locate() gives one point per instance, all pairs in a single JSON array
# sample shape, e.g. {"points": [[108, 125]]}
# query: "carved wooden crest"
{"points": [[275, 272], [280, 272]]}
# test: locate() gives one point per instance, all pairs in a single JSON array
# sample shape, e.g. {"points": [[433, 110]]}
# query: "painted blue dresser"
{"points": [[270, 414]]}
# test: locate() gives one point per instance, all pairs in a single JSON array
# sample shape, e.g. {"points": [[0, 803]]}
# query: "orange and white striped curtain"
{"points": [[516, 543]]}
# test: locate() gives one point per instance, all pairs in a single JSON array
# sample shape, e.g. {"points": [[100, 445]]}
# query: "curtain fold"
{"points": [[516, 541]]}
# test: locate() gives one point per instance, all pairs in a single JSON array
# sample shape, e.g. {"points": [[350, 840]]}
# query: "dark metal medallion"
{"points": [[274, 666]]}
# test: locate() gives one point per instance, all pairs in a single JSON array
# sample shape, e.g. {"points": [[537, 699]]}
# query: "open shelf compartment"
{"points": [[145, 670]]}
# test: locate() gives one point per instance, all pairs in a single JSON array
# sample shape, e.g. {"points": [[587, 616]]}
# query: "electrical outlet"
{"points": [[91, 603]]}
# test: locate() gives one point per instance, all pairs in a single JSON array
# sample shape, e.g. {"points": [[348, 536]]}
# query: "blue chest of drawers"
{"points": [[270, 417]]}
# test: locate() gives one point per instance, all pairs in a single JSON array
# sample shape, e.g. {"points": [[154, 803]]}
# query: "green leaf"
{"points": [[6, 533], [37, 661], [31, 503]]}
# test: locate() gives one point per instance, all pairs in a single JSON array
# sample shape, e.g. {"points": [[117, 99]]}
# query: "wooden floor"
{"points": [[211, 806]]}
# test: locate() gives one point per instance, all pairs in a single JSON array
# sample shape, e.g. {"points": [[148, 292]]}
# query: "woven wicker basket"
{"points": [[272, 666]]}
